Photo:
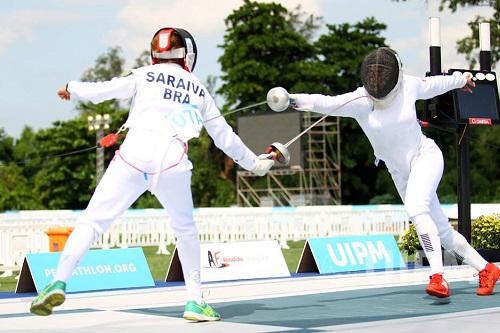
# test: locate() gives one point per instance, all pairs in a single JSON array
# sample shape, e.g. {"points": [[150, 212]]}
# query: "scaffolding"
{"points": [[317, 183]]}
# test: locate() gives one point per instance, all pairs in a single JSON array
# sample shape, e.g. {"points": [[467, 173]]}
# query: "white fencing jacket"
{"points": [[167, 102], [392, 129]]}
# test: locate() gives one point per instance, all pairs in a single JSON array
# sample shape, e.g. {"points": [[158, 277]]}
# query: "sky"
{"points": [[46, 43]]}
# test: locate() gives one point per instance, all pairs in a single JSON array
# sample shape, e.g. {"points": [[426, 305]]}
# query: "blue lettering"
{"points": [[160, 78], [186, 99], [167, 94], [150, 77], [177, 96], [202, 93], [198, 118], [195, 90], [180, 84], [171, 80]]}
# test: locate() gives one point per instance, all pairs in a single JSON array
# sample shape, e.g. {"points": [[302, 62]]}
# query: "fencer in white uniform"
{"points": [[169, 107], [384, 107]]}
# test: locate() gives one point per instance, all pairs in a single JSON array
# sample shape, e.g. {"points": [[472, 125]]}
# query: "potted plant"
{"points": [[485, 232]]}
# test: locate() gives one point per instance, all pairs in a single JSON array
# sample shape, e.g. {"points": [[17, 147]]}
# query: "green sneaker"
{"points": [[52, 295], [199, 312]]}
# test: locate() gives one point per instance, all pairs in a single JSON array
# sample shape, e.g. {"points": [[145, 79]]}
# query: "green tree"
{"points": [[64, 182], [264, 44], [261, 47], [15, 191], [6, 147]]}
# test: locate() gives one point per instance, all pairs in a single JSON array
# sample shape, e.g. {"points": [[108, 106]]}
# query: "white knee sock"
{"points": [[80, 240], [193, 286], [188, 247], [453, 241], [429, 239]]}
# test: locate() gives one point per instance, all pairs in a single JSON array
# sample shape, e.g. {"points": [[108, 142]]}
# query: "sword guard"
{"points": [[279, 153], [278, 99]]}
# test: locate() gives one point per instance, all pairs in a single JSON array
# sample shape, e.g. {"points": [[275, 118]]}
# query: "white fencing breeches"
{"points": [[418, 192], [119, 188]]}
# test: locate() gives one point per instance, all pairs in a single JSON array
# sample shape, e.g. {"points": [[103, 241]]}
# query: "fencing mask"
{"points": [[381, 72], [163, 46]]}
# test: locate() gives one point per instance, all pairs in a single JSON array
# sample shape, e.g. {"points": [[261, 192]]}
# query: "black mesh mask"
{"points": [[380, 72]]}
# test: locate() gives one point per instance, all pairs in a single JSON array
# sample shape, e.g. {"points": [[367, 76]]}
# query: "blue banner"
{"points": [[356, 253], [98, 270]]}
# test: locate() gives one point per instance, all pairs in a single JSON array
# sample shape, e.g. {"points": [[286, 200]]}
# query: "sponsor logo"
{"points": [[479, 121], [215, 261]]}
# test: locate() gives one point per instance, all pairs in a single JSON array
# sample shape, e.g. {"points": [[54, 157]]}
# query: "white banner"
{"points": [[236, 261]]}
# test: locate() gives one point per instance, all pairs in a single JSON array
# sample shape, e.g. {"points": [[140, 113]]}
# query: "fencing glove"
{"points": [[263, 164]]}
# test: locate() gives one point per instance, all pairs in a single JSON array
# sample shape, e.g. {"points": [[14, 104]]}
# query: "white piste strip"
{"points": [[244, 290]]}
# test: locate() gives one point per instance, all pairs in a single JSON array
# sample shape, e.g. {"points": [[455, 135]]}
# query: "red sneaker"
{"points": [[438, 286], [487, 279]]}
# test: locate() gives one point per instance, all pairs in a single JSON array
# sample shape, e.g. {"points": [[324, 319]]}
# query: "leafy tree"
{"points": [[264, 44], [6, 147], [106, 67], [64, 182], [144, 59], [15, 191], [261, 47], [484, 161]]}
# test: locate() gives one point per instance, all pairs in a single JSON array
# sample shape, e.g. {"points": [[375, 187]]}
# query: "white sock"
{"points": [[188, 247], [453, 241], [429, 239], [193, 286]]}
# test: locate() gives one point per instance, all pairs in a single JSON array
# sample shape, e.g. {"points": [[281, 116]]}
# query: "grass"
{"points": [[8, 283], [158, 263]]}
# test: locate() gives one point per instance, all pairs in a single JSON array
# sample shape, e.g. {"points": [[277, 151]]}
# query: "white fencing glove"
{"points": [[263, 164]]}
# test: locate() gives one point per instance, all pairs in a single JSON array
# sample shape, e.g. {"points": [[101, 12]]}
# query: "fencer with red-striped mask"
{"points": [[169, 107], [384, 107]]}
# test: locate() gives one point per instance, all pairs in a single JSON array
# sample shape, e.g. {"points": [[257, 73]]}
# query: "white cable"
{"points": [[237, 110]]}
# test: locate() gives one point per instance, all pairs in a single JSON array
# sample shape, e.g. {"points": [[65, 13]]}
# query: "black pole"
{"points": [[463, 183], [463, 164], [485, 60], [435, 69], [435, 60]]}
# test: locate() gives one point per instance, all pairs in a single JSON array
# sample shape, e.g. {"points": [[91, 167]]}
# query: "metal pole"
{"points": [[434, 59], [99, 123], [99, 156]]}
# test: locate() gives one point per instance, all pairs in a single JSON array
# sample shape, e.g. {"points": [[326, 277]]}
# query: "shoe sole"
{"points": [[437, 294], [44, 308], [196, 317]]}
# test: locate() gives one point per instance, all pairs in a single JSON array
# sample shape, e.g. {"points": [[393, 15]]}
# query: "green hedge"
{"points": [[485, 235], [408, 242], [486, 232]]}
